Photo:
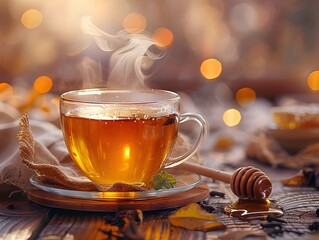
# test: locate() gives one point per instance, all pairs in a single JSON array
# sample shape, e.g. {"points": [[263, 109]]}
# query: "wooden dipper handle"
{"points": [[245, 182], [205, 171]]}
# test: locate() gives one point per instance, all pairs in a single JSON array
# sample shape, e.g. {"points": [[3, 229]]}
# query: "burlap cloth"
{"points": [[262, 147], [40, 150]]}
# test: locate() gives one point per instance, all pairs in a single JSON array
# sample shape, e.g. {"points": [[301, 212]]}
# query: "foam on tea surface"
{"points": [[116, 112]]}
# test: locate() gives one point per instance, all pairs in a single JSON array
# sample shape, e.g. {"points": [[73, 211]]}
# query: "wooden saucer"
{"points": [[195, 194]]}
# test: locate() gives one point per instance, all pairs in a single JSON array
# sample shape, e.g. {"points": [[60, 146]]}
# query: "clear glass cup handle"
{"points": [[174, 161]]}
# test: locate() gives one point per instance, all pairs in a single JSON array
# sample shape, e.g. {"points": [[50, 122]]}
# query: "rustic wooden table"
{"points": [[22, 219]]}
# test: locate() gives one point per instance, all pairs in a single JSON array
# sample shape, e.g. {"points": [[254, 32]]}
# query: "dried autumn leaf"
{"points": [[193, 217], [297, 180], [305, 177]]}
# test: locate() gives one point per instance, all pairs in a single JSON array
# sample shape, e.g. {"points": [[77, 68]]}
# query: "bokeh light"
{"points": [[231, 117], [31, 18], [211, 68], [6, 90], [163, 37], [245, 96], [313, 80], [43, 84], [134, 23], [242, 38]]}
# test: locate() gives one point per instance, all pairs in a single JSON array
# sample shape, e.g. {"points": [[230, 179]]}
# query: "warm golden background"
{"points": [[218, 52]]}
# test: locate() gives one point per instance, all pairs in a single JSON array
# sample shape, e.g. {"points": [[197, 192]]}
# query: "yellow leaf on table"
{"points": [[193, 217], [297, 180]]}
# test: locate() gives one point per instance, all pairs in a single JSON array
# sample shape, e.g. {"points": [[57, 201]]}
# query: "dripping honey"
{"points": [[129, 150], [251, 209]]}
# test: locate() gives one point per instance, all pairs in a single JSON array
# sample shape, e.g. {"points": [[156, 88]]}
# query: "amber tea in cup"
{"points": [[123, 135]]}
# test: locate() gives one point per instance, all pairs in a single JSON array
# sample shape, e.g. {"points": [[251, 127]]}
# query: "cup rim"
{"points": [[71, 96]]}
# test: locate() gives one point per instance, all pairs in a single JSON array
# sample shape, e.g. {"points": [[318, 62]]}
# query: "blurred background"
{"points": [[232, 60]]}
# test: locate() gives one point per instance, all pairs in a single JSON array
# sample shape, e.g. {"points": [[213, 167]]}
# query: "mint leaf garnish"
{"points": [[162, 180]]}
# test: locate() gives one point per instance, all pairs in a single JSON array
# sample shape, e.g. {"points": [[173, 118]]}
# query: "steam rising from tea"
{"points": [[131, 55], [123, 135]]}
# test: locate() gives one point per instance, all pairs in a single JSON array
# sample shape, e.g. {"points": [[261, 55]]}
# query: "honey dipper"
{"points": [[245, 182]]}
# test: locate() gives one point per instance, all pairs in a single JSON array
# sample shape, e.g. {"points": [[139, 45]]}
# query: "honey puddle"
{"points": [[245, 209]]}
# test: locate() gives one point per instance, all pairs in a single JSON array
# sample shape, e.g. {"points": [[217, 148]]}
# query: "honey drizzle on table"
{"points": [[248, 209]]}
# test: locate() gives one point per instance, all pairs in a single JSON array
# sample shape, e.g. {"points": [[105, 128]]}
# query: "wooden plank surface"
{"points": [[22, 220]]}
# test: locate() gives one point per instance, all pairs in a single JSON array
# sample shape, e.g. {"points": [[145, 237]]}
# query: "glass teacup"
{"points": [[124, 135]]}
